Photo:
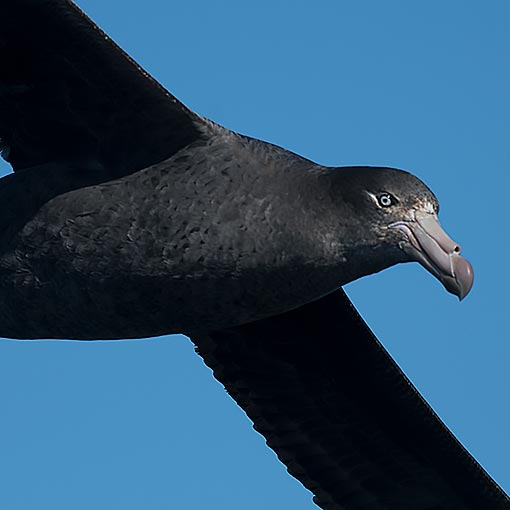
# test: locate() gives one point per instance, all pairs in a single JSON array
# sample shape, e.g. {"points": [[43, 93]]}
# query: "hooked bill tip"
{"points": [[464, 276]]}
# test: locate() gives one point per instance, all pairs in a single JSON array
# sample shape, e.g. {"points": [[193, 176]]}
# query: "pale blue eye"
{"points": [[386, 200]]}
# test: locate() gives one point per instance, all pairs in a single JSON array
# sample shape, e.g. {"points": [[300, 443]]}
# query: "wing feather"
{"points": [[69, 93], [342, 416]]}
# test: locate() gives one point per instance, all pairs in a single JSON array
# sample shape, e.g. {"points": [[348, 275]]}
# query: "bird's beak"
{"points": [[427, 243]]}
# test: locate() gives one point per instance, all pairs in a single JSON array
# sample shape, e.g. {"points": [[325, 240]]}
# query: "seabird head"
{"points": [[402, 212]]}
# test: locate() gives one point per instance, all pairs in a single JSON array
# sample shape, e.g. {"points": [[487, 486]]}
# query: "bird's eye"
{"points": [[386, 200]]}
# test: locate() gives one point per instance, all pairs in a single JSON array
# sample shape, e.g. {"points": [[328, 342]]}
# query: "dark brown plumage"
{"points": [[129, 216], [342, 416]]}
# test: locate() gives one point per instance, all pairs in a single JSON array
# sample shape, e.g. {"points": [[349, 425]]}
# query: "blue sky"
{"points": [[416, 85]]}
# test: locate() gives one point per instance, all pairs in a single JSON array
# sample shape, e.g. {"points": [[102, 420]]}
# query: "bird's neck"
{"points": [[334, 247]]}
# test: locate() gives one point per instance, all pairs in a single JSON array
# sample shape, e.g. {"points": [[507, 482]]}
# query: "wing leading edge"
{"points": [[342, 416], [68, 93]]}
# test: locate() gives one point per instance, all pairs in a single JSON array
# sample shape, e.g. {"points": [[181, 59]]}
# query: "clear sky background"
{"points": [[417, 85]]}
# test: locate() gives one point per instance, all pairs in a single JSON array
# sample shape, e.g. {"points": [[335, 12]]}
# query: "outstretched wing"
{"points": [[342, 416], [68, 93]]}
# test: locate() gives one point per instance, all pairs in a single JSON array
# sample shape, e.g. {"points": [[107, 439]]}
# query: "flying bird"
{"points": [[130, 216]]}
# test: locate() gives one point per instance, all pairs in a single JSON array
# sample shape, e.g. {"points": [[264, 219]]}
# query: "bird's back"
{"points": [[201, 238]]}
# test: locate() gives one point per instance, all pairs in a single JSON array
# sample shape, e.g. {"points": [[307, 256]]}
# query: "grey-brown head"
{"points": [[400, 212]]}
